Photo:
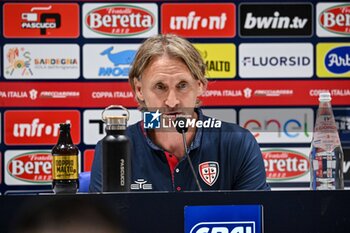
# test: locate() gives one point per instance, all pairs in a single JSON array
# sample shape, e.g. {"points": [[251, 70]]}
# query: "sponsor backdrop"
{"points": [[267, 62]]}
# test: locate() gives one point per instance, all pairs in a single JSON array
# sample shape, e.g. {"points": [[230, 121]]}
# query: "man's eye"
{"points": [[182, 85], [160, 86]]}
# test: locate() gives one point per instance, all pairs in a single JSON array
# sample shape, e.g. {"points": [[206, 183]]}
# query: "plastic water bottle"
{"points": [[326, 156], [116, 161]]}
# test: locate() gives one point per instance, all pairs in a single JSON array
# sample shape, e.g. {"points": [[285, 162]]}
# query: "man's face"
{"points": [[167, 84]]}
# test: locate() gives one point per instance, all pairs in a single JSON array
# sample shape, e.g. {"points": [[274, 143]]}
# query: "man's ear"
{"points": [[202, 88], [138, 89]]}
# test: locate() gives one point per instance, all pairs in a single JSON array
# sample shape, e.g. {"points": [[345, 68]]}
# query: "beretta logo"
{"points": [[119, 20], [39, 127], [285, 164], [199, 20], [40, 20], [33, 167], [333, 19], [275, 20]]}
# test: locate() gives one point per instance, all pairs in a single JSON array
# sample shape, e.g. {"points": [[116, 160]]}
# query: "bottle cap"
{"points": [[64, 126], [324, 97], [116, 120]]}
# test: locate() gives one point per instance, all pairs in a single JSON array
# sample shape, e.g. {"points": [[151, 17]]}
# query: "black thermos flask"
{"points": [[116, 161]]}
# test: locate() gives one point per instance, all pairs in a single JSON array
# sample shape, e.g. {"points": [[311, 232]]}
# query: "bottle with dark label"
{"points": [[65, 163], [116, 164], [326, 156]]}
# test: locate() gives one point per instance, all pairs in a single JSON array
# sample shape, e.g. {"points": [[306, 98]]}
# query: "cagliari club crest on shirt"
{"points": [[209, 172]]}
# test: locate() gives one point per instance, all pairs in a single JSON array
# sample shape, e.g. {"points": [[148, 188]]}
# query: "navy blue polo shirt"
{"points": [[228, 158]]}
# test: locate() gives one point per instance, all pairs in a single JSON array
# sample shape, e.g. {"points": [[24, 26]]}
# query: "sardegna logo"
{"points": [[286, 164], [39, 127], [28, 167], [120, 20], [333, 19]]}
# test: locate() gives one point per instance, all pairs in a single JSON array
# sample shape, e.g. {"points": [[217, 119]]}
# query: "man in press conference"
{"points": [[167, 77]]}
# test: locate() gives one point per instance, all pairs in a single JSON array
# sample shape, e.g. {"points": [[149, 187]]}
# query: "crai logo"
{"points": [[159, 120]]}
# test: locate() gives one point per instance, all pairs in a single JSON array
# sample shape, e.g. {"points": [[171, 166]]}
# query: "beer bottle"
{"points": [[65, 163], [116, 162]]}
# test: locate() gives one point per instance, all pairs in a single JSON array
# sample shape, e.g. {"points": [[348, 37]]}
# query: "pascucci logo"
{"points": [[155, 120], [120, 20], [336, 19], [337, 60], [47, 20]]}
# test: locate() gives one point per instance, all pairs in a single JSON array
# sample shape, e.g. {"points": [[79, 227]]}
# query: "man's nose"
{"points": [[172, 99]]}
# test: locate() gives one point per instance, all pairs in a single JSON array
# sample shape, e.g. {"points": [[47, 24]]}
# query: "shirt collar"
{"points": [[195, 142]]}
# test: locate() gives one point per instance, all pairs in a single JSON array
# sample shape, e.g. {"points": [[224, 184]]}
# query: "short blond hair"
{"points": [[172, 46]]}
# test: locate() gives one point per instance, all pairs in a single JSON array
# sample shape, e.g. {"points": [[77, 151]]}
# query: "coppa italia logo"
{"points": [[136, 20], [39, 127], [219, 59], [275, 19], [281, 164], [28, 168], [333, 19], [41, 20], [333, 59], [199, 20]]}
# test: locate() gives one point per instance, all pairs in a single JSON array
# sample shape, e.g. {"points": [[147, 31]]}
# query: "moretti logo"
{"points": [[199, 20], [28, 168], [120, 20], [275, 20], [333, 60], [111, 61], [41, 20], [333, 19]]}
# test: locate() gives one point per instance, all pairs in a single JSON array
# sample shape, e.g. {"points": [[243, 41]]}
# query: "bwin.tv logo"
{"points": [[151, 120], [224, 227]]}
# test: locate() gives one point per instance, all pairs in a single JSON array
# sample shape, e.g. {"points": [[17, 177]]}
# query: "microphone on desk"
{"points": [[182, 128]]}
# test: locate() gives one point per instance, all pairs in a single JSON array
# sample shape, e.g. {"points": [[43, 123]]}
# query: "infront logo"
{"points": [[39, 127], [224, 227], [199, 20]]}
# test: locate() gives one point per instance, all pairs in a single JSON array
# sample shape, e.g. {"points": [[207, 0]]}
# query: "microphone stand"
{"points": [[189, 160]]}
